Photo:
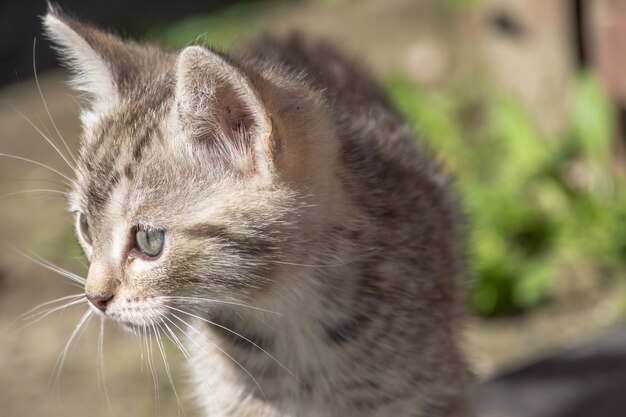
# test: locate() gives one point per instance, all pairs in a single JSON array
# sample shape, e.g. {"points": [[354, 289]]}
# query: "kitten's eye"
{"points": [[83, 226], [150, 241]]}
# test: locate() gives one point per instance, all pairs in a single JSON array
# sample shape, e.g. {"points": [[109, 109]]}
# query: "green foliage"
{"points": [[534, 203], [221, 29]]}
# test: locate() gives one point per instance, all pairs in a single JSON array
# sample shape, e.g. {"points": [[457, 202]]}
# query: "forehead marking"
{"points": [[101, 138], [101, 185], [106, 169]]}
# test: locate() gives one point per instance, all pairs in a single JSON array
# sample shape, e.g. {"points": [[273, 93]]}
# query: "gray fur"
{"points": [[285, 182]]}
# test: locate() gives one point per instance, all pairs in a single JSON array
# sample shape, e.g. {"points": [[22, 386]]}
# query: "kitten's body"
{"points": [[286, 182]]}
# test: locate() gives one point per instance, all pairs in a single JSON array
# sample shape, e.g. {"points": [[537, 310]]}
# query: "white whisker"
{"points": [[172, 336], [39, 190], [46, 313], [147, 342], [80, 260], [49, 168], [209, 300], [46, 106], [313, 265], [139, 336], [157, 335], [48, 265], [56, 375], [34, 309], [182, 348], [238, 335], [61, 271], [142, 340], [44, 136], [47, 180], [102, 384], [217, 347], [155, 378]]}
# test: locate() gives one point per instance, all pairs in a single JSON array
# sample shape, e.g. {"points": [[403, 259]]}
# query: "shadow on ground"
{"points": [[585, 381]]}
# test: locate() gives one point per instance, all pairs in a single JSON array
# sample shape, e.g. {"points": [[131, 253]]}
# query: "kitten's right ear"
{"points": [[97, 59]]}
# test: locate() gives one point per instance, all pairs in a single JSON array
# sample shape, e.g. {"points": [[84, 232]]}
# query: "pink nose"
{"points": [[100, 301]]}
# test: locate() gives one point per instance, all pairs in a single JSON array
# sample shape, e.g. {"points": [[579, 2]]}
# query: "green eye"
{"points": [[149, 241]]}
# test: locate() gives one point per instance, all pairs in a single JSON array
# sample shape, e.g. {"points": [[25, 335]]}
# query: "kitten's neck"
{"points": [[271, 340]]}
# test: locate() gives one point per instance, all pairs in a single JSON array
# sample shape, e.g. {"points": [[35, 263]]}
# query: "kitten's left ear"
{"points": [[103, 65], [218, 107]]}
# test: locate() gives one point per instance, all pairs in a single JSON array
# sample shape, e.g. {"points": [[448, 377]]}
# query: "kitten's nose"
{"points": [[102, 284], [100, 301]]}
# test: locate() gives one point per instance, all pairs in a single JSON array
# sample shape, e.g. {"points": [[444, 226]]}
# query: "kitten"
{"points": [[274, 211]]}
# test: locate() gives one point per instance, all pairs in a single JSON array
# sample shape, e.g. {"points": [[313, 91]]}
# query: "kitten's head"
{"points": [[194, 173]]}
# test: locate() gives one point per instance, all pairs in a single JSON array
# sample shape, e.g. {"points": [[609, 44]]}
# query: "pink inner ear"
{"points": [[236, 126], [218, 108], [233, 116]]}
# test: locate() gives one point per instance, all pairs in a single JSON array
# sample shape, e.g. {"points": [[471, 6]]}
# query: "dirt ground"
{"points": [[38, 222]]}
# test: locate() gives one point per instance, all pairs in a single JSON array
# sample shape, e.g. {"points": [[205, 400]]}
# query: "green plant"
{"points": [[533, 202]]}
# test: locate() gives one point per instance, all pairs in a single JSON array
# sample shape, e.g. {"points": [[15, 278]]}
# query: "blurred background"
{"points": [[524, 101]]}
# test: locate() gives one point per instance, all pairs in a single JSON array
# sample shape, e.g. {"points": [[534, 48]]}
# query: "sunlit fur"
{"points": [[313, 253]]}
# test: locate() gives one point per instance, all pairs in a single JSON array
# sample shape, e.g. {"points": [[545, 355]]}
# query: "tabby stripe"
{"points": [[100, 191], [207, 230], [259, 245], [128, 172], [347, 330], [95, 148], [141, 144]]}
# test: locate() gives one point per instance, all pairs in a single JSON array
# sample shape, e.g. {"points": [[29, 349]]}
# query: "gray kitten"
{"points": [[274, 211]]}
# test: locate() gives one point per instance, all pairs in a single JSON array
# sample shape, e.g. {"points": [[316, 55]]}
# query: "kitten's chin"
{"points": [[135, 327], [130, 327]]}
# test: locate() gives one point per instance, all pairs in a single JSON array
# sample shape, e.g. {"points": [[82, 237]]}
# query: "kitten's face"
{"points": [[183, 192], [157, 223]]}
